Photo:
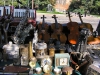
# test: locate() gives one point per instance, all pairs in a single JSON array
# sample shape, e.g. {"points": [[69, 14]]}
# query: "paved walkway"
{"points": [[63, 19]]}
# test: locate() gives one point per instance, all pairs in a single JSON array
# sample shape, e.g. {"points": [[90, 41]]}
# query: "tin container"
{"points": [[51, 50], [11, 49], [24, 60], [24, 55], [62, 48], [41, 49]]}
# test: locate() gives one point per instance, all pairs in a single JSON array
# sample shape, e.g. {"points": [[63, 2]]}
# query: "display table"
{"points": [[9, 68]]}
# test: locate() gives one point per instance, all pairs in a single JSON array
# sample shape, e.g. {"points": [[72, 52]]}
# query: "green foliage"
{"points": [[41, 4], [98, 3], [89, 6], [79, 10], [52, 2], [9, 2]]}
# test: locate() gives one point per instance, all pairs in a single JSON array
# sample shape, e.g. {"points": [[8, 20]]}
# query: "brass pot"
{"points": [[47, 68], [67, 69]]}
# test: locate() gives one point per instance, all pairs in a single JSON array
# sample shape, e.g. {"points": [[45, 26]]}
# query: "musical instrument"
{"points": [[24, 33], [43, 31], [94, 41], [20, 26], [73, 27], [91, 39], [57, 31], [85, 25], [43, 25]]}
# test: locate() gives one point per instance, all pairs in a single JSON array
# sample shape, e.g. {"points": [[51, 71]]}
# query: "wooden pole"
{"points": [[32, 4]]}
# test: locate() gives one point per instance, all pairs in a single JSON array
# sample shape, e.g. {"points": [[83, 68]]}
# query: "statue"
{"points": [[49, 7], [35, 40]]}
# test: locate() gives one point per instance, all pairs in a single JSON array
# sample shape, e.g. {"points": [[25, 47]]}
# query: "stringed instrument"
{"points": [[57, 31], [73, 28], [91, 38], [43, 31], [85, 25]]}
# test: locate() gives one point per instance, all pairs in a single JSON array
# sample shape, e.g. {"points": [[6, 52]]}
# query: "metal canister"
{"points": [[41, 49], [62, 48], [51, 50], [24, 56], [11, 49]]}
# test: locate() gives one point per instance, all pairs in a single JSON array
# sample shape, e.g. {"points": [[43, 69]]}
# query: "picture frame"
{"points": [[62, 59]]}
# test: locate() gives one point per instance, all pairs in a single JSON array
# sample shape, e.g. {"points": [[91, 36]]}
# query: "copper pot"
{"points": [[67, 69]]}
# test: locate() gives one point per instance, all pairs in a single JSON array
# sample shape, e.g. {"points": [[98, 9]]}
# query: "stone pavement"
{"points": [[64, 19]]}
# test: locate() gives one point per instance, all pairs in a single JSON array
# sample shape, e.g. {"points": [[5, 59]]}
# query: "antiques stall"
{"points": [[31, 48]]}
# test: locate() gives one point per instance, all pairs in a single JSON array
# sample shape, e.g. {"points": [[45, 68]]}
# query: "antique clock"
{"points": [[46, 61], [62, 59]]}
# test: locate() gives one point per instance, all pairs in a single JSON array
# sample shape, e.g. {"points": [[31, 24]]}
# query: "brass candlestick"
{"points": [[32, 59], [30, 51]]}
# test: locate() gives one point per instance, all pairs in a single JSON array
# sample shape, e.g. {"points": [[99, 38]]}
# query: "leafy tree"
{"points": [[75, 6], [52, 2], [9, 2], [98, 6], [91, 6], [42, 4]]}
